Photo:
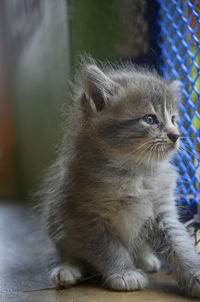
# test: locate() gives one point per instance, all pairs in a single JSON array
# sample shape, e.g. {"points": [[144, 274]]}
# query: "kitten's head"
{"points": [[132, 112]]}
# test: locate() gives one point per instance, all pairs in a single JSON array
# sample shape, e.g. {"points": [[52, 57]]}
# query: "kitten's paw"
{"points": [[65, 275], [194, 290], [150, 263], [127, 281]]}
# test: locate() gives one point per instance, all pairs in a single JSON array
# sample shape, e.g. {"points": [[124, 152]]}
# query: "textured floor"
{"points": [[23, 260]]}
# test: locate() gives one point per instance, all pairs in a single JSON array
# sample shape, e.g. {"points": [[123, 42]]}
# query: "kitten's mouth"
{"points": [[163, 150], [155, 151]]}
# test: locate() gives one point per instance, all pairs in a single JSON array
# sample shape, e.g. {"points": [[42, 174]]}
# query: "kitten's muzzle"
{"points": [[173, 137]]}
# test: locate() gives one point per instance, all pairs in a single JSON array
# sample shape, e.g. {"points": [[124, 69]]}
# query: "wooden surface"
{"points": [[24, 253]]}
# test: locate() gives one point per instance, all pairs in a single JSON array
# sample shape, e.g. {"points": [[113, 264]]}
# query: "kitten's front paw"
{"points": [[65, 275], [194, 290], [127, 281], [150, 263]]}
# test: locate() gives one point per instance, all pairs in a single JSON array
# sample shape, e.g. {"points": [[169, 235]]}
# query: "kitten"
{"points": [[108, 201]]}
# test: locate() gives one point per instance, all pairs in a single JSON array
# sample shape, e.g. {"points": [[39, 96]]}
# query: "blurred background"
{"points": [[40, 46]]}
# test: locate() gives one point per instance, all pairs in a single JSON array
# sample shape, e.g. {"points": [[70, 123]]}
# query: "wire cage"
{"points": [[179, 41]]}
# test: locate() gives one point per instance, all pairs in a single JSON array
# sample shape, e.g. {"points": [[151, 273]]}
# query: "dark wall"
{"points": [[115, 30]]}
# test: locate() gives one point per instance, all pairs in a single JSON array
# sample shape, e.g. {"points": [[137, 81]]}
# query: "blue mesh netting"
{"points": [[179, 41]]}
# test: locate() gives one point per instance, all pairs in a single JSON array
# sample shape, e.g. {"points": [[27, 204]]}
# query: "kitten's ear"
{"points": [[98, 87], [176, 87]]}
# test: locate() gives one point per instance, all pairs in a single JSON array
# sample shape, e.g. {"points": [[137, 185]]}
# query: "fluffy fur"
{"points": [[108, 200]]}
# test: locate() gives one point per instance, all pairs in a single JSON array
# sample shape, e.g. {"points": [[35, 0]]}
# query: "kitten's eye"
{"points": [[173, 119], [150, 119]]}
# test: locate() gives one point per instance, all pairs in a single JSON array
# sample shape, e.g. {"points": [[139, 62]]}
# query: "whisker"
{"points": [[142, 156], [152, 152], [157, 151], [141, 151], [142, 145]]}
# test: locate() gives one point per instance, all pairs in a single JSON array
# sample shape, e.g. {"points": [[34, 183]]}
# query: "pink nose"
{"points": [[173, 137]]}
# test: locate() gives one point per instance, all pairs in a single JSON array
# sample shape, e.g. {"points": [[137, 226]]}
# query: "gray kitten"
{"points": [[108, 201]]}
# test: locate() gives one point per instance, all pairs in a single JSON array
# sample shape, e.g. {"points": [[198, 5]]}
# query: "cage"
{"points": [[179, 41]]}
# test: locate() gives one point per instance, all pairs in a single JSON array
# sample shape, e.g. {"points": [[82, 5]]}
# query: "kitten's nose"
{"points": [[173, 137]]}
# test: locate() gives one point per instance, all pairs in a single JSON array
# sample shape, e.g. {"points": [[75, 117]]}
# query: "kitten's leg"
{"points": [[146, 259], [172, 242], [66, 270], [112, 261]]}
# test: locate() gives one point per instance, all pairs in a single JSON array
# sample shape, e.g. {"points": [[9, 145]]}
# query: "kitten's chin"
{"points": [[162, 155], [167, 153]]}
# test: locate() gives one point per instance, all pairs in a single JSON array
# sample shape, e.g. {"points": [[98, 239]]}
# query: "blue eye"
{"points": [[150, 119]]}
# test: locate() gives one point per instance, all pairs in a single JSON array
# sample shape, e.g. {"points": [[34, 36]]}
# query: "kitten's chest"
{"points": [[140, 198], [129, 221], [139, 190], [149, 187], [136, 208]]}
